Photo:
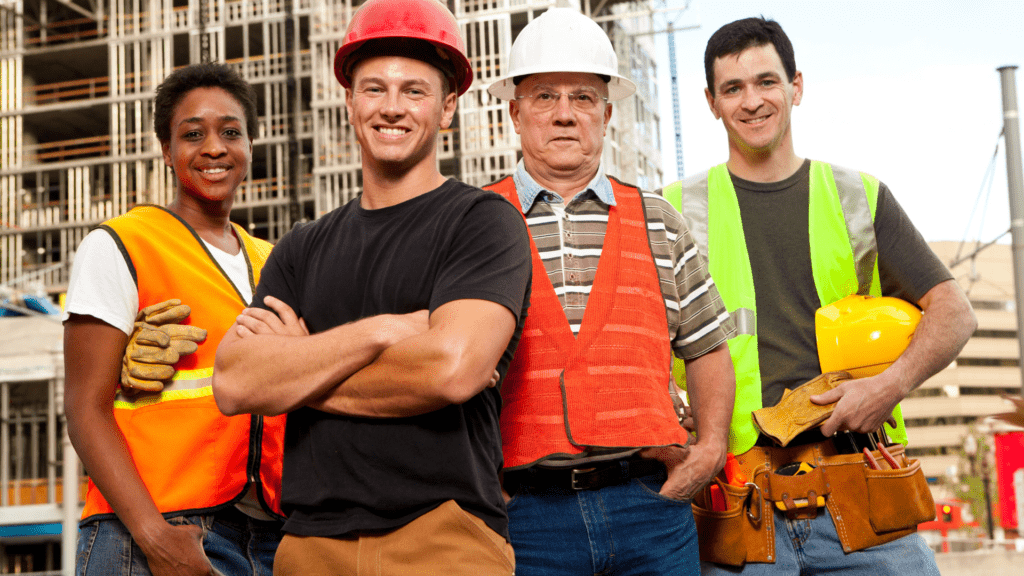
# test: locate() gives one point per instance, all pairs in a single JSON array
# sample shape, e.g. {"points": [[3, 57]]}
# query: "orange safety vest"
{"points": [[192, 458], [608, 387]]}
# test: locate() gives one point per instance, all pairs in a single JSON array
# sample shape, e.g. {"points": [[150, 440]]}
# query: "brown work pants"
{"points": [[446, 541]]}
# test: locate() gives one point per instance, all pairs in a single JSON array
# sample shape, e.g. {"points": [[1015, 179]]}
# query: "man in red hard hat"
{"points": [[409, 297]]}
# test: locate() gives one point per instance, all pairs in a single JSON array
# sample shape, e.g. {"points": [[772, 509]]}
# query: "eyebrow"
{"points": [[576, 88], [414, 81], [761, 76], [198, 120]]}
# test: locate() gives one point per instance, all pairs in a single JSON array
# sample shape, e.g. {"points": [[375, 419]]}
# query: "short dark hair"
{"points": [[735, 37], [205, 75], [407, 48]]}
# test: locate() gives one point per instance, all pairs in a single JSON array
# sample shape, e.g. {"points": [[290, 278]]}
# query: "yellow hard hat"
{"points": [[863, 335]]}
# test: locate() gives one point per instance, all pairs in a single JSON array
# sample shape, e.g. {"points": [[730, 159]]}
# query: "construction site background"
{"points": [[77, 147]]}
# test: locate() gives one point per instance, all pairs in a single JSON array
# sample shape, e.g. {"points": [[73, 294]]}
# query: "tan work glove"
{"points": [[795, 412], [157, 342]]}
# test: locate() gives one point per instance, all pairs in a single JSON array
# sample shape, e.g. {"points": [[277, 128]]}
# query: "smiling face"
{"points": [[754, 100], [562, 142], [397, 105], [209, 149]]}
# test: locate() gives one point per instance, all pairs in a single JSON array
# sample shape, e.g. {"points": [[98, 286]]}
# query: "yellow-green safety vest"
{"points": [[844, 261]]}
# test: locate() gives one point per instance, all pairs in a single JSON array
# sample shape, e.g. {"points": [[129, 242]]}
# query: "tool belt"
{"points": [[869, 507]]}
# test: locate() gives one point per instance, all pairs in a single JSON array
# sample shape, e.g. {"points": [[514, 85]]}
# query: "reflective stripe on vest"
{"points": [[843, 260], [608, 386], [189, 455]]}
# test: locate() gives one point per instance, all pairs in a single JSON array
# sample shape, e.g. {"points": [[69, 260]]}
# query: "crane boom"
{"points": [[675, 98]]}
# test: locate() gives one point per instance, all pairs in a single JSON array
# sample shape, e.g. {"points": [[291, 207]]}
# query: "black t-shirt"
{"points": [[342, 474], [775, 224]]}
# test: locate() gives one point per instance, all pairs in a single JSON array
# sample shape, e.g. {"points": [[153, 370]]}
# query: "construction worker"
{"points": [[597, 465], [412, 294], [785, 237], [175, 487]]}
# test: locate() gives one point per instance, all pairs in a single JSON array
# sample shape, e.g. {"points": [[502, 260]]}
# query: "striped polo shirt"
{"points": [[569, 238]]}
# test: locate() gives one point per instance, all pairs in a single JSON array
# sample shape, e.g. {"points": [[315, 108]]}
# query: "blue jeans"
{"points": [[806, 547], [627, 530], [234, 543]]}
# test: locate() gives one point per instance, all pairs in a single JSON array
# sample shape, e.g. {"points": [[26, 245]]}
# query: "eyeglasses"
{"points": [[581, 100]]}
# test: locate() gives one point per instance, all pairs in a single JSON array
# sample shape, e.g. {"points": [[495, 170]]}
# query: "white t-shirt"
{"points": [[101, 284]]}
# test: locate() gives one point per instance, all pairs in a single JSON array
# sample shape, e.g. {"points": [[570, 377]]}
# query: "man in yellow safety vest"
{"points": [[786, 236]]}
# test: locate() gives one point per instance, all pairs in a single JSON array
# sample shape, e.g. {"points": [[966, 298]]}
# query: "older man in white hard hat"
{"points": [[598, 467]]}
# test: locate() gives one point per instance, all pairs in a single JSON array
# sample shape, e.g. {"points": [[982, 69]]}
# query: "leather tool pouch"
{"points": [[869, 507], [797, 495], [872, 507], [742, 532]]}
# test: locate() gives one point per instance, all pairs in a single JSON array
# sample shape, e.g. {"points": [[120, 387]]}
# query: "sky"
{"points": [[906, 90]]}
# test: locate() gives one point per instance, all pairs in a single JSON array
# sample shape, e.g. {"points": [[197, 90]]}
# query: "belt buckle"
{"points": [[574, 482]]}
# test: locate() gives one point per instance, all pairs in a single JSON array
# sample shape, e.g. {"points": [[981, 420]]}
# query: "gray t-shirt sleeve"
{"points": [[907, 266]]}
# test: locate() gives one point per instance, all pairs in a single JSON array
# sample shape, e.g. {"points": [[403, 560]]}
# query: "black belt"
{"points": [[585, 477], [844, 442]]}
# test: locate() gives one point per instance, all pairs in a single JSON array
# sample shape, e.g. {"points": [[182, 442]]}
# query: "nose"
{"points": [[213, 146], [752, 99], [392, 105], [563, 112]]}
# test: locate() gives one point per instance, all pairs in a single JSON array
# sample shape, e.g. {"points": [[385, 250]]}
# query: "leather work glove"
{"points": [[157, 342], [795, 413]]}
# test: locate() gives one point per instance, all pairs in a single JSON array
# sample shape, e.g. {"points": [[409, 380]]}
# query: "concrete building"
{"points": [[940, 412]]}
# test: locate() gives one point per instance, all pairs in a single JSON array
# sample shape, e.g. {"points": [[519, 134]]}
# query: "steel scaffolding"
{"points": [[76, 110]]}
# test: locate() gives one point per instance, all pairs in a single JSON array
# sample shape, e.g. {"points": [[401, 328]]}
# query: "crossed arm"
{"points": [[383, 366]]}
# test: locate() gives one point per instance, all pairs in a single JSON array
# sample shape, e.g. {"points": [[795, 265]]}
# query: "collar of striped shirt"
{"points": [[529, 190]]}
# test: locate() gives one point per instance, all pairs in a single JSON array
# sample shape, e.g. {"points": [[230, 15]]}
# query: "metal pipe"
{"points": [[5, 442], [51, 435], [70, 479], [69, 529], [1015, 182]]}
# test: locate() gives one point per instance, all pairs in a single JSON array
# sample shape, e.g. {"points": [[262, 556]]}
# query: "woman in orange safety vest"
{"points": [[175, 486]]}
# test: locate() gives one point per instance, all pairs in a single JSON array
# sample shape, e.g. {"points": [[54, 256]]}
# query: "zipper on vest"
{"points": [[255, 450]]}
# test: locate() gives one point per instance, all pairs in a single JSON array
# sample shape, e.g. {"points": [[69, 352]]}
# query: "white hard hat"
{"points": [[563, 40]]}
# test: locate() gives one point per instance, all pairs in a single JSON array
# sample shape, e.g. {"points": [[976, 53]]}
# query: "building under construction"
{"points": [[77, 147], [76, 110]]}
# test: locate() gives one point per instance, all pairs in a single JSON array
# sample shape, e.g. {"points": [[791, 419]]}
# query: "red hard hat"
{"points": [[418, 19]]}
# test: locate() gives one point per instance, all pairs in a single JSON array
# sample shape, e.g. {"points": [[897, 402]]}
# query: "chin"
{"points": [[394, 166], [565, 161]]}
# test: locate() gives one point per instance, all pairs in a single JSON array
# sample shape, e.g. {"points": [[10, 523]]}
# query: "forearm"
{"points": [[711, 388], [273, 374], [93, 353], [104, 453], [411, 378], [946, 326], [448, 364], [863, 405]]}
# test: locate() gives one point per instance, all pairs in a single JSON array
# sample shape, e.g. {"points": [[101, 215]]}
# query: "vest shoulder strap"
{"points": [[693, 206], [847, 243]]}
